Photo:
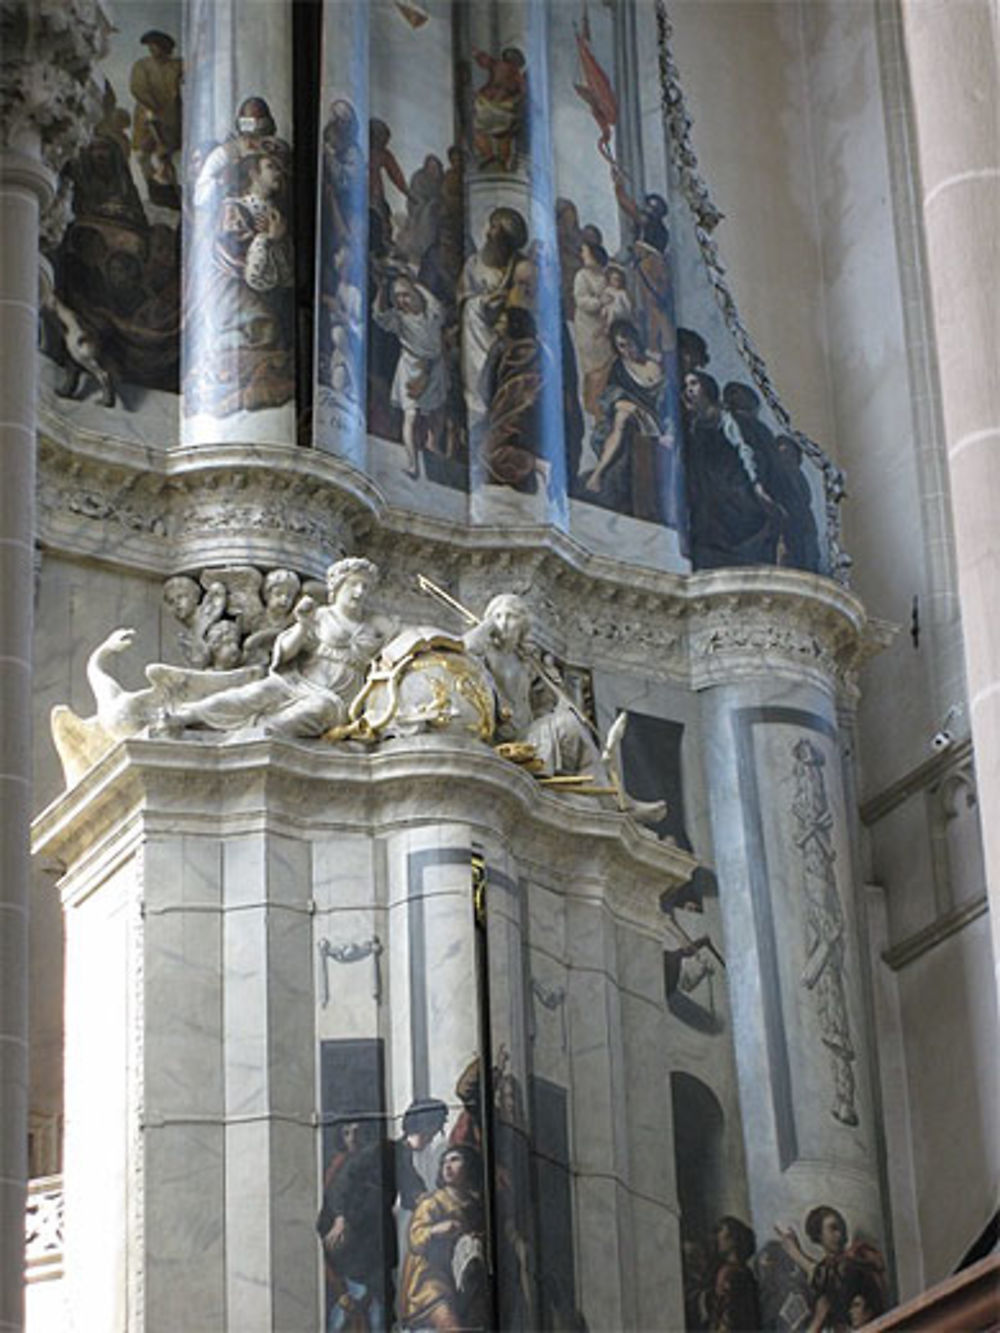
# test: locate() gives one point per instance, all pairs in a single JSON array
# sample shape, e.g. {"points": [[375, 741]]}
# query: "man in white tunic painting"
{"points": [[414, 315]]}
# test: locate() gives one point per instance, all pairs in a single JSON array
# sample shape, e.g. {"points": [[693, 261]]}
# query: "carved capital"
{"points": [[745, 625], [49, 100]]}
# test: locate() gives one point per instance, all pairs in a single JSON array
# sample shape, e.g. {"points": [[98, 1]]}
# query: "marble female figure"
{"points": [[318, 665]]}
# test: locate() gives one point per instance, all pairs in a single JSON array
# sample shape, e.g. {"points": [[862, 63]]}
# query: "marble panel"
{"points": [[289, 872], [350, 949], [586, 933], [600, 1277], [640, 964], [659, 1293], [249, 1195], [183, 981], [646, 1110], [100, 1000], [290, 1008], [451, 997], [245, 992], [343, 873], [546, 920], [295, 1247], [184, 1233], [595, 1055], [549, 1018], [434, 1023]]}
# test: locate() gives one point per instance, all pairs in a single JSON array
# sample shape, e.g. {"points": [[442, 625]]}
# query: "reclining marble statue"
{"points": [[343, 672]]}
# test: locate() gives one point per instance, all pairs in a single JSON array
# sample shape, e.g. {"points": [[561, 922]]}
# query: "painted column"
{"points": [[45, 112], [238, 340], [781, 819], [952, 51], [25, 185], [435, 1072], [509, 289], [343, 235]]}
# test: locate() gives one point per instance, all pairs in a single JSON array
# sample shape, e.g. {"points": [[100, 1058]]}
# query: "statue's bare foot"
{"points": [[647, 812]]}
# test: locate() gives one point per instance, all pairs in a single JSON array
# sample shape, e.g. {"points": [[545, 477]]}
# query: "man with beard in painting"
{"points": [[734, 521], [513, 375], [482, 293]]}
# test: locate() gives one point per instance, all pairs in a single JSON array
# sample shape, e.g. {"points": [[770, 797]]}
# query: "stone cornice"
{"points": [[164, 511], [144, 788]]}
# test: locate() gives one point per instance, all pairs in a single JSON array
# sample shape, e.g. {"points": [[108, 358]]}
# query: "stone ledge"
{"points": [[149, 787]]}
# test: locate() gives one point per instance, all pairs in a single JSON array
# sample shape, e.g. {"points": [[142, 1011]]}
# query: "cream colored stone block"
{"points": [[951, 49]]}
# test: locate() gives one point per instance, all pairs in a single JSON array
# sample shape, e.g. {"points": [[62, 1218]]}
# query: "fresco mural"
{"points": [[513, 317], [782, 1286], [110, 309], [239, 312], [403, 1216]]}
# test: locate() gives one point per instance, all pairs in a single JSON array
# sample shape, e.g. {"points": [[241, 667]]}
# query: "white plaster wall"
{"points": [[745, 84], [949, 1022]]}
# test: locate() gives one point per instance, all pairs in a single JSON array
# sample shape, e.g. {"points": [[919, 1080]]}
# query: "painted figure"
{"points": [[499, 108], [155, 83], [732, 1305], [420, 385], [483, 291], [513, 378], [443, 1278], [840, 1275], [382, 163], [593, 343], [357, 1223], [241, 312], [634, 445], [734, 520]]}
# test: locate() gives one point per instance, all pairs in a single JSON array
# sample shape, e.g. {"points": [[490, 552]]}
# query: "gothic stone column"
{"points": [[952, 50], [44, 108]]}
